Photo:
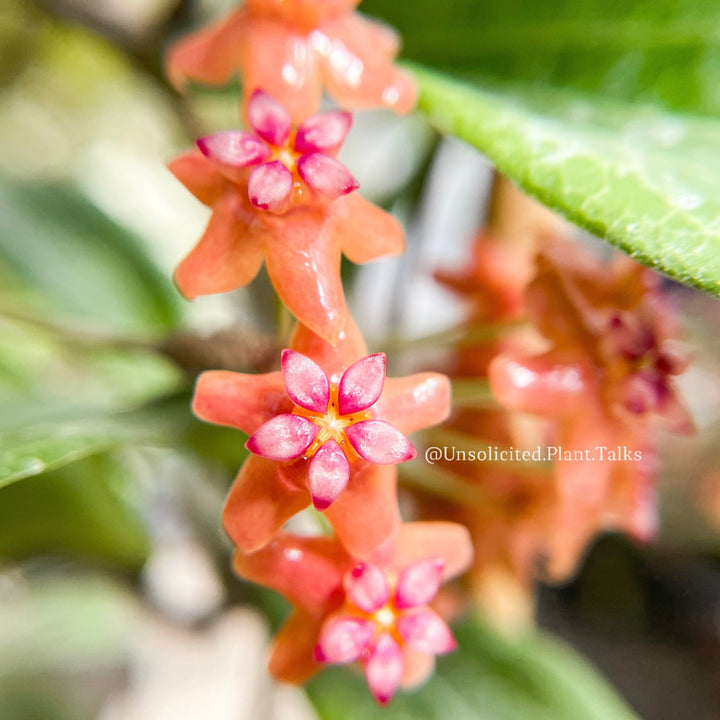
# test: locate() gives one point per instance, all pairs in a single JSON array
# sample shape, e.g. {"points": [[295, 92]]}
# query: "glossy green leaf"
{"points": [[81, 261], [489, 678], [38, 448], [645, 180], [658, 51], [77, 510]]}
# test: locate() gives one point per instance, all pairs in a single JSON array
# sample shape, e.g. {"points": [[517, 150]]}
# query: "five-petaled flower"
{"points": [[373, 612], [278, 164], [331, 424], [304, 432], [281, 196], [293, 49]]}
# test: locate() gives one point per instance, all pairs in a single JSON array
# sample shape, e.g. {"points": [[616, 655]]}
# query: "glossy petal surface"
{"points": [[305, 382], [418, 584], [425, 631], [270, 186], [323, 133], [284, 437], [384, 669], [343, 639], [379, 442], [268, 118], [328, 475], [234, 148], [367, 587], [326, 176], [361, 384]]}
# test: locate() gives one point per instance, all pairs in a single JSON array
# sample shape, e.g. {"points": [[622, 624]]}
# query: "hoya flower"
{"points": [[282, 167], [374, 612], [294, 49], [280, 196], [604, 382], [326, 431]]}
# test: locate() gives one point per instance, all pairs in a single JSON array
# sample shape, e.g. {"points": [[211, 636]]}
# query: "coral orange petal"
{"points": [[199, 176], [333, 359], [415, 402], [291, 658], [240, 401], [449, 541], [308, 571], [365, 232], [366, 514], [304, 266], [418, 668], [378, 83], [272, 46], [228, 255], [260, 503], [209, 56]]}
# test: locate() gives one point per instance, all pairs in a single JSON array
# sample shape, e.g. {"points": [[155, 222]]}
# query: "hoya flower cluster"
{"points": [[575, 353]]}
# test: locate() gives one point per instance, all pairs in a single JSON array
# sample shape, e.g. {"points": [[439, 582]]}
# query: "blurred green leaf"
{"points": [[646, 181], [77, 510], [641, 50], [81, 261], [488, 678], [35, 449]]}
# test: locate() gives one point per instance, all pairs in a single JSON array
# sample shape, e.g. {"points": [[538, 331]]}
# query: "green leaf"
{"points": [[35, 449], [645, 180], [659, 51], [81, 261], [78, 510], [488, 678]]}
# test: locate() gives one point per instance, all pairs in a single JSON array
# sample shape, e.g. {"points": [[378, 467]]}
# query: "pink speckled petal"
{"points": [[328, 474], [327, 176], [425, 631], [384, 670], [285, 437], [418, 584], [305, 382], [270, 120], [361, 384], [323, 133], [270, 186], [367, 587], [234, 148], [379, 442], [343, 639]]}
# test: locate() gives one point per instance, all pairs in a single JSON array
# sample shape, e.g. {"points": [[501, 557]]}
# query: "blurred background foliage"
{"points": [[116, 599]]}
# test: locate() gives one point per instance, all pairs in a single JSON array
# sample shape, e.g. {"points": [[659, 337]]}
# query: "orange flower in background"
{"points": [[280, 196], [606, 383], [293, 50], [358, 497], [374, 612]]}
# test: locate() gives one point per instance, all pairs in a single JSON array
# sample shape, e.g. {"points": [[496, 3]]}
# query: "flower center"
{"points": [[332, 426]]}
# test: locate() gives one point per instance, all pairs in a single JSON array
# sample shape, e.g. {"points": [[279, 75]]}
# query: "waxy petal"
{"points": [[268, 118], [425, 631], [365, 232], [291, 655], [326, 176], [328, 474], [283, 63], [241, 401], [199, 176], [308, 571], [270, 187], [284, 437], [305, 382], [228, 255], [539, 384], [209, 56], [367, 587], [304, 266], [384, 669], [343, 639], [418, 584], [361, 384], [447, 540], [260, 502], [379, 442], [234, 148], [323, 133], [366, 513], [415, 402]]}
